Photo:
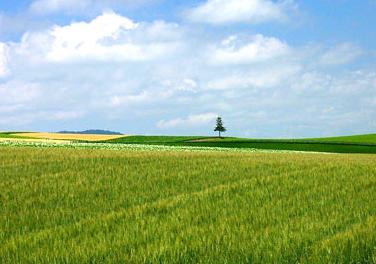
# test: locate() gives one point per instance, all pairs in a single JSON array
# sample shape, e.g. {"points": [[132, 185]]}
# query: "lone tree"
{"points": [[219, 127]]}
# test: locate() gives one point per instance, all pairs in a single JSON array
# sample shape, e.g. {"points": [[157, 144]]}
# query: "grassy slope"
{"points": [[318, 145], [294, 146], [153, 139], [369, 138], [81, 206]]}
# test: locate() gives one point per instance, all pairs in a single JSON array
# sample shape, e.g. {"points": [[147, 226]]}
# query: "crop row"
{"points": [[111, 146]]}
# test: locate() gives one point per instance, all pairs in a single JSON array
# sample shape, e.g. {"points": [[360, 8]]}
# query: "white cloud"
{"points": [[108, 37], [259, 48], [341, 54], [3, 60], [190, 121], [232, 11], [87, 40]]}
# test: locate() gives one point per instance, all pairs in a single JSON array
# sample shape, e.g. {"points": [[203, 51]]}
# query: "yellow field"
{"points": [[58, 136]]}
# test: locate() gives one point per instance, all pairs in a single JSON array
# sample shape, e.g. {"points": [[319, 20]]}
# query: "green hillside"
{"points": [[354, 144], [153, 139], [369, 138]]}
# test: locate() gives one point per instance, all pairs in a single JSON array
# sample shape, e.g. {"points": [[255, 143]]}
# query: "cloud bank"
{"points": [[161, 77]]}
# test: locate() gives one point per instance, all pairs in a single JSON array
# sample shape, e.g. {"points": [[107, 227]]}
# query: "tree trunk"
{"points": [[219, 132]]}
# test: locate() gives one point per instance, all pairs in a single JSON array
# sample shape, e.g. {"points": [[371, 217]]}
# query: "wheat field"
{"points": [[64, 205], [61, 136]]}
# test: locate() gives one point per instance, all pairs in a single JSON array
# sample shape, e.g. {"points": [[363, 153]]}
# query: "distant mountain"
{"points": [[92, 131]]}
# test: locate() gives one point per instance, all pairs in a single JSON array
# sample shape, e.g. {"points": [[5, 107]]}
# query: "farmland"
{"points": [[348, 144], [66, 136], [368, 138], [138, 205], [187, 132], [353, 144]]}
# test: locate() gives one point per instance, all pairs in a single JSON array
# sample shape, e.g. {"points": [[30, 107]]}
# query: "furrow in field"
{"points": [[355, 238], [135, 210], [193, 207], [165, 203]]}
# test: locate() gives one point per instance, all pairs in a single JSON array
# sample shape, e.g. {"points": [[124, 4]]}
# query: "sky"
{"points": [[269, 68]]}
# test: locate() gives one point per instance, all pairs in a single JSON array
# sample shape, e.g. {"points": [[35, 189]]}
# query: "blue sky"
{"points": [[284, 68]]}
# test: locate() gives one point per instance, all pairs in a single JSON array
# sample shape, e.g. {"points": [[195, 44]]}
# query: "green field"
{"points": [[348, 144], [369, 138], [352, 144], [65, 205], [154, 139], [10, 135]]}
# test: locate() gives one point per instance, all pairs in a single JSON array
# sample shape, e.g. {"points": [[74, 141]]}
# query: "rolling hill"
{"points": [[349, 144]]}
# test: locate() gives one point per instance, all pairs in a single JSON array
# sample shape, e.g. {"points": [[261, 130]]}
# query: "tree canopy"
{"points": [[219, 126]]}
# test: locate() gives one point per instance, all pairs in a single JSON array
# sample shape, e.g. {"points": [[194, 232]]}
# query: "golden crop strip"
{"points": [[58, 136]]}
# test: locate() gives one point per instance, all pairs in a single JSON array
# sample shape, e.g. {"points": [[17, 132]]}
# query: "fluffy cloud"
{"points": [[259, 48], [232, 11], [108, 37], [88, 40], [190, 121]]}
